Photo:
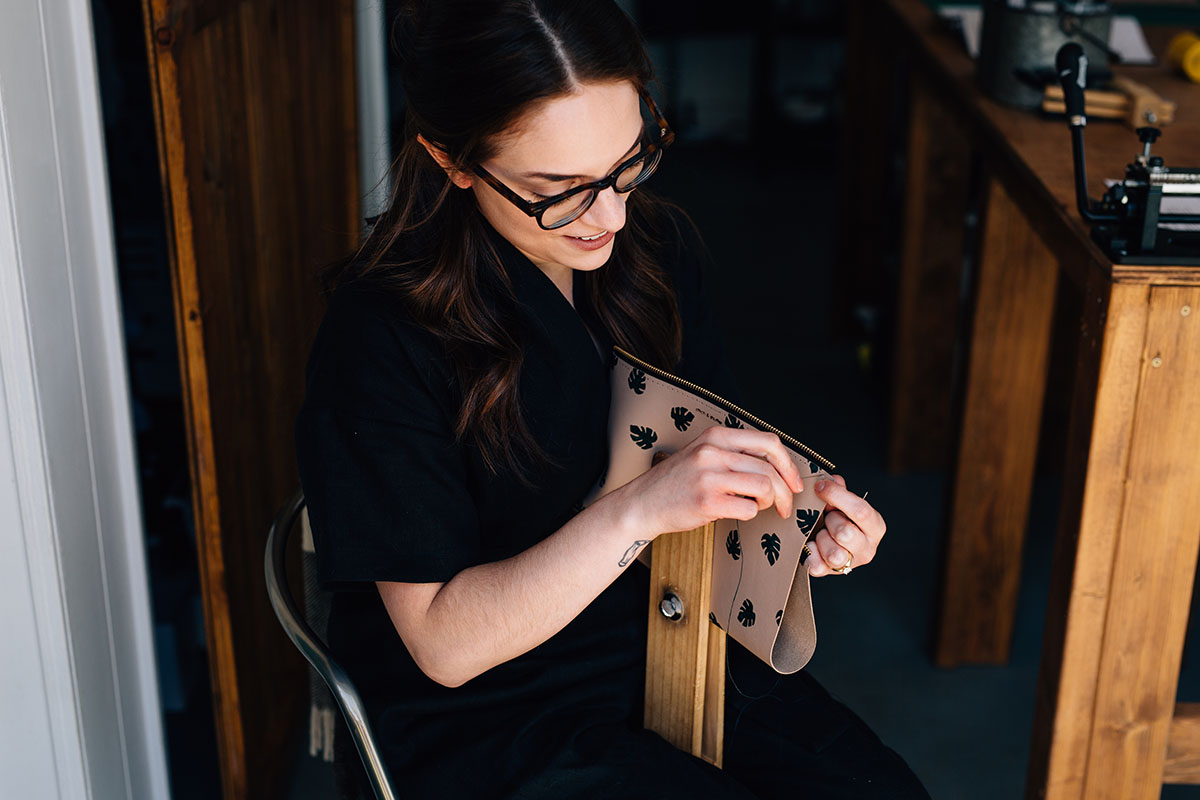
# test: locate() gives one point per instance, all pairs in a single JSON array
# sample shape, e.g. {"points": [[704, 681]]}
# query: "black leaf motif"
{"points": [[779, 616], [746, 613], [682, 417], [713, 619], [733, 544], [733, 422], [642, 437], [806, 518], [637, 380], [770, 546], [812, 465]]}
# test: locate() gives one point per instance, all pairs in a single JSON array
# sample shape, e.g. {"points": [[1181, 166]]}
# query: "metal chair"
{"points": [[313, 649], [685, 654]]}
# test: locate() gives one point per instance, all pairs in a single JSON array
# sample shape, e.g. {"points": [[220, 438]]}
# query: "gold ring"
{"points": [[845, 569]]}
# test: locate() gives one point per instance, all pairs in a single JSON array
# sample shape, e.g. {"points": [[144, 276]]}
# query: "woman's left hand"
{"points": [[852, 532]]}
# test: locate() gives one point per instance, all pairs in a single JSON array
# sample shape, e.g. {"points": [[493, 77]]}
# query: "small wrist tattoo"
{"points": [[632, 552]]}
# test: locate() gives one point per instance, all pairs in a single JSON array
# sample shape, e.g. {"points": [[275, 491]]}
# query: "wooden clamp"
{"points": [[685, 652], [1128, 100]]}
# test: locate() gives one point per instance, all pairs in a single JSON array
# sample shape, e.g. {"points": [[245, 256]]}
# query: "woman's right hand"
{"points": [[724, 473]]}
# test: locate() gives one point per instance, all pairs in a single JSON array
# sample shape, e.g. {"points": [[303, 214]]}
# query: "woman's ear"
{"points": [[459, 179]]}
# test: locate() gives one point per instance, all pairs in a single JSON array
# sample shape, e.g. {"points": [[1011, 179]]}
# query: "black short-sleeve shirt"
{"points": [[393, 496]]}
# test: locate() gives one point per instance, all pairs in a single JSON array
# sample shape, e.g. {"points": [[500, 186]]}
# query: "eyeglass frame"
{"points": [[537, 209]]}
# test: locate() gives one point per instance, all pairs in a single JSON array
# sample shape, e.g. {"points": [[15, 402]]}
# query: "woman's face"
{"points": [[561, 143]]}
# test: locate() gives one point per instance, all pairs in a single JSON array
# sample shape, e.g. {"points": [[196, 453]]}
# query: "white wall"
{"points": [[77, 681]]}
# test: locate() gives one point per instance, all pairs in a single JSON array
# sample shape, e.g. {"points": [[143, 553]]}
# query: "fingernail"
{"points": [[843, 536], [835, 560], [821, 485]]}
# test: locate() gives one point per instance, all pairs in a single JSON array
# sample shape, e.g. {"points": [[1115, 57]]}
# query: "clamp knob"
{"points": [[1148, 135], [671, 606]]}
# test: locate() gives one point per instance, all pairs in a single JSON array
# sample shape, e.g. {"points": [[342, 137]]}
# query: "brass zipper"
{"points": [[729, 407]]}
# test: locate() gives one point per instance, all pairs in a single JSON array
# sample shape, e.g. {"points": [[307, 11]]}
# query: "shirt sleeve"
{"points": [[385, 481], [703, 360]]}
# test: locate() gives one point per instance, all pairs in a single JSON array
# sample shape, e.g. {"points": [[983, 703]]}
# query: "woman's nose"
{"points": [[607, 211]]}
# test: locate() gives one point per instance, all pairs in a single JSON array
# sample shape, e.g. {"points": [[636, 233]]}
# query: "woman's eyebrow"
{"points": [[550, 177]]}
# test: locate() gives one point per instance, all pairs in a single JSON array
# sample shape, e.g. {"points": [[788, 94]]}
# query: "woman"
{"points": [[456, 415]]}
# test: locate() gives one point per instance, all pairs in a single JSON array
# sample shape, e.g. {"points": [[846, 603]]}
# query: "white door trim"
{"points": [[80, 668]]}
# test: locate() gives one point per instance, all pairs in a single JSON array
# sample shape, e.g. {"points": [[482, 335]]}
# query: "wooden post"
{"points": [[685, 657], [1002, 410], [931, 254], [1110, 668]]}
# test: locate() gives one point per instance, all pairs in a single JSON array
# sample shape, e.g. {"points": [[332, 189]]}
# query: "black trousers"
{"points": [[785, 737]]}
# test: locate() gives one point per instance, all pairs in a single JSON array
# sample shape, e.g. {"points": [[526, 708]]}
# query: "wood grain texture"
{"points": [[1126, 555], [1112, 332], [255, 109], [1183, 745], [680, 686], [1155, 558], [931, 258], [1002, 410]]}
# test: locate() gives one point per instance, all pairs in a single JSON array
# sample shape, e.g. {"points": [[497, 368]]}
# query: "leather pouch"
{"points": [[760, 591]]}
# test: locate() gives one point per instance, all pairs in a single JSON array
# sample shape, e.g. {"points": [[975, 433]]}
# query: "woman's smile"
{"points": [[594, 242]]}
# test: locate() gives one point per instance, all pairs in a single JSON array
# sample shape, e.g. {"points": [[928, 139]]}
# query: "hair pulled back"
{"points": [[471, 69]]}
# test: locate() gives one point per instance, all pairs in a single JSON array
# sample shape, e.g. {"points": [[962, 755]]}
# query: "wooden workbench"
{"points": [[1106, 722]]}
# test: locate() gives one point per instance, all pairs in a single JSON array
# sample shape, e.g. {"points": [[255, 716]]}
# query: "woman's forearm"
{"points": [[491, 613]]}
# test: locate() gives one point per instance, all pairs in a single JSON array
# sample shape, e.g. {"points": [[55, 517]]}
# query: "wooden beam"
{"points": [[864, 216], [1110, 346], [1154, 563], [1126, 555], [931, 255], [256, 129], [685, 664], [1006, 379]]}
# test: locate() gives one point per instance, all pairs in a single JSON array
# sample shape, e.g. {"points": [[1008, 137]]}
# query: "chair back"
{"points": [[313, 649]]}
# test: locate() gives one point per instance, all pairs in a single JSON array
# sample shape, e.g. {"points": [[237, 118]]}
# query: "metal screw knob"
{"points": [[671, 606], [1148, 135]]}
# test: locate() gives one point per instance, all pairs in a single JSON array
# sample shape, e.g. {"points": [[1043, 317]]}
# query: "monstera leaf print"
{"points": [[779, 616], [733, 422], [812, 465], [713, 619], [733, 545], [806, 518], [642, 437], [746, 613], [770, 546], [637, 380], [682, 417]]}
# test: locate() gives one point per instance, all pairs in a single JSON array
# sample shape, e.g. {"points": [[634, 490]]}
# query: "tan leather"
{"points": [[760, 592]]}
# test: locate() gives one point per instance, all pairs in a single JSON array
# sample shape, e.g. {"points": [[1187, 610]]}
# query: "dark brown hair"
{"points": [[471, 69]]}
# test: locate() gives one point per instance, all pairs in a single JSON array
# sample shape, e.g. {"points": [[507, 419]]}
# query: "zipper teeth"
{"points": [[741, 413]]}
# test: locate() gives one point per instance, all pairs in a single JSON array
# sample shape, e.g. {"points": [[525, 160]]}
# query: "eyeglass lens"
{"points": [[573, 207]]}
